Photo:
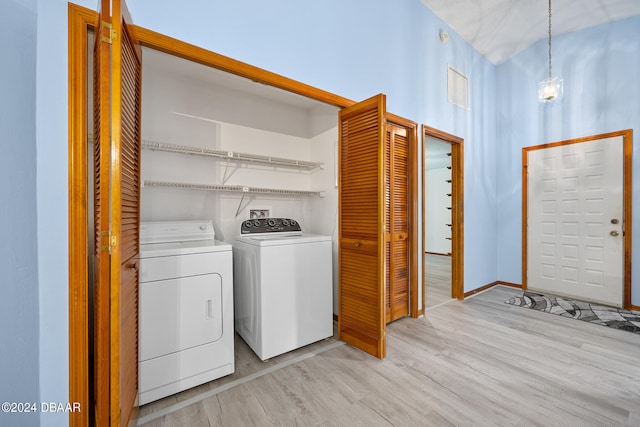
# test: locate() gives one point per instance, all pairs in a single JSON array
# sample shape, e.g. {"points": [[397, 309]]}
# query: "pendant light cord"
{"points": [[549, 39]]}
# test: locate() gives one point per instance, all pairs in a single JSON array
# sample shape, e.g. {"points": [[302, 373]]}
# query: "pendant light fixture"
{"points": [[550, 89]]}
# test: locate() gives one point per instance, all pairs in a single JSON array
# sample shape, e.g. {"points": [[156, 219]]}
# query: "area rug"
{"points": [[585, 311]]}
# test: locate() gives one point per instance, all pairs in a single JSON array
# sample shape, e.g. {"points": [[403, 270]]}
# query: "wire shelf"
{"points": [[233, 155], [231, 188]]}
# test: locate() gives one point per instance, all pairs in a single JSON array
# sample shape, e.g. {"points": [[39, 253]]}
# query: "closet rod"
{"points": [[231, 188], [232, 155]]}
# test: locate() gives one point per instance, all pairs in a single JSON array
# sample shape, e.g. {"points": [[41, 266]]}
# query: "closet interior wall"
{"points": [[438, 193], [188, 104]]}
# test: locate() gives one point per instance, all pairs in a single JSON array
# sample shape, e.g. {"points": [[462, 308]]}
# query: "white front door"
{"points": [[575, 244]]}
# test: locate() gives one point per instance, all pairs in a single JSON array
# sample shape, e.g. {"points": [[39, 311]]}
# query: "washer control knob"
{"points": [[256, 222], [285, 222], [293, 222], [271, 222], [247, 224]]}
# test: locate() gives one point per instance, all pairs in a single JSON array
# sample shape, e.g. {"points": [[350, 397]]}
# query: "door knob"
{"points": [[614, 233]]}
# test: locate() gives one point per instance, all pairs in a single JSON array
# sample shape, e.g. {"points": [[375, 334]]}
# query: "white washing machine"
{"points": [[283, 285], [185, 334]]}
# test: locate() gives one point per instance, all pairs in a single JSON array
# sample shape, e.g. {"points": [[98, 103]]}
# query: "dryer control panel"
{"points": [[269, 225]]}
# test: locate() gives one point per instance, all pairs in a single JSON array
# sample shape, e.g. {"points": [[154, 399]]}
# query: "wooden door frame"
{"points": [[627, 140], [457, 208], [80, 21]]}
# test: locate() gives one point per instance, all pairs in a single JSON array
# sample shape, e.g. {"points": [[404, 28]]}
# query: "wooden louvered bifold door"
{"points": [[129, 184], [361, 308], [101, 209], [388, 263], [117, 114], [397, 230]]}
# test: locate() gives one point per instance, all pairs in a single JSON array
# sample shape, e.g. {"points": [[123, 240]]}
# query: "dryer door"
{"points": [[178, 314]]}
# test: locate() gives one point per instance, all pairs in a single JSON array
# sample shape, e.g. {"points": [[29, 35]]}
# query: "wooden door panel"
{"points": [[117, 187], [361, 299], [366, 247], [388, 181], [400, 182], [129, 224], [397, 191], [101, 202], [388, 281], [359, 177], [359, 318], [400, 278], [388, 223]]}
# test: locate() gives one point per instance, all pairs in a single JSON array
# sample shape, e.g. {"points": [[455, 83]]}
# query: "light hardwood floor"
{"points": [[437, 279], [474, 362]]}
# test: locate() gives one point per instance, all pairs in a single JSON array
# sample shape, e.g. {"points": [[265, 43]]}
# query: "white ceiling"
{"points": [[499, 29]]}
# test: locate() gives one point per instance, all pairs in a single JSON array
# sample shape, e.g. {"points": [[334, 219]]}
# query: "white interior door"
{"points": [[575, 220]]}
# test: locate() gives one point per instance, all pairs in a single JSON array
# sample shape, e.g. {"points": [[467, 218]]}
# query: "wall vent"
{"points": [[458, 88]]}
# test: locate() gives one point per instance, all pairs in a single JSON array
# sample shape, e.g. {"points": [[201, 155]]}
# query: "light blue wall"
{"points": [[353, 48], [478, 128], [356, 49], [52, 183], [19, 348], [600, 67]]}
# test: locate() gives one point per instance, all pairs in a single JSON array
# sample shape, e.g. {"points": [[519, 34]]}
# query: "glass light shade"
{"points": [[550, 90]]}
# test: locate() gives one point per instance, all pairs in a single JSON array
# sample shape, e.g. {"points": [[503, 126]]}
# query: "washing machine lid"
{"points": [[276, 239]]}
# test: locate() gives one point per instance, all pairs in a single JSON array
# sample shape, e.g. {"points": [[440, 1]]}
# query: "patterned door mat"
{"points": [[585, 311]]}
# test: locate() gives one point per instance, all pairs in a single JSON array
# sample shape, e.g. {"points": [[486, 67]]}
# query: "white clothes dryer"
{"points": [[185, 333], [283, 286]]}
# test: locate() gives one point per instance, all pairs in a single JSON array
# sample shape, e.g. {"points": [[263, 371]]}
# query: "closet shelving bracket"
{"points": [[245, 190], [226, 175]]}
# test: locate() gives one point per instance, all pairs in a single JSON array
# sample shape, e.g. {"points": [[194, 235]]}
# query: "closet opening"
{"points": [[242, 88], [276, 84], [208, 134], [442, 217]]}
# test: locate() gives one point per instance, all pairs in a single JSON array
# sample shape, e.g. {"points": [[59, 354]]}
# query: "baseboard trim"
{"points": [[635, 308], [436, 253], [420, 313], [511, 285], [480, 289], [491, 285], [484, 288]]}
